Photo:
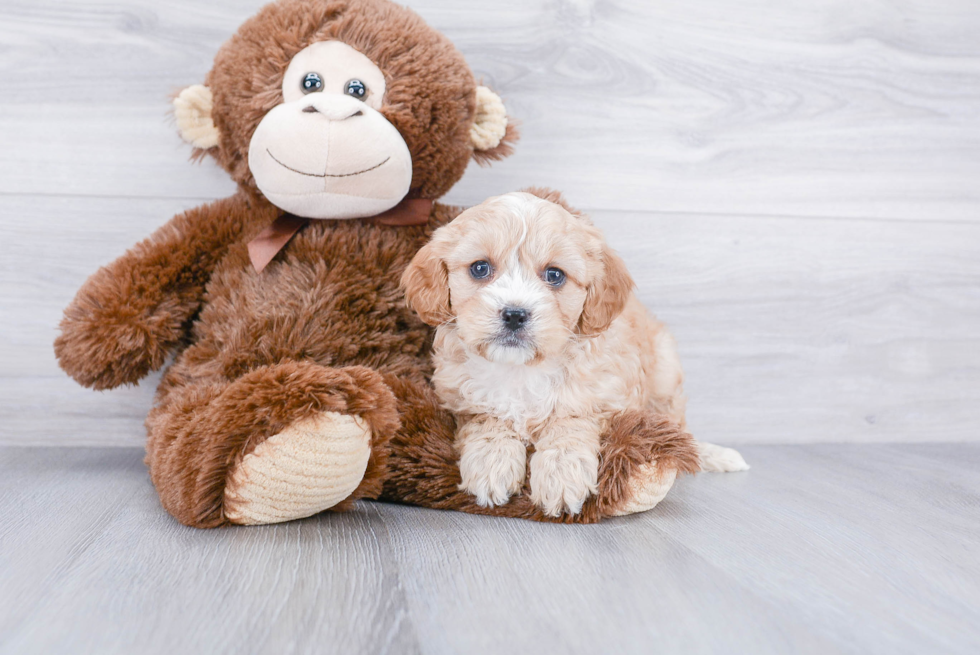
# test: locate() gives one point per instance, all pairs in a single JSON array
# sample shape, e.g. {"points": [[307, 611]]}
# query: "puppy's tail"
{"points": [[718, 459]]}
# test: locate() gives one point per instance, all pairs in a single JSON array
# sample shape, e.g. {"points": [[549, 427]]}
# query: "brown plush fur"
{"points": [[324, 327]]}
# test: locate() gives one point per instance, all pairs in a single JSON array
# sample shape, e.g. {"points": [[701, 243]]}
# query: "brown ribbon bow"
{"points": [[267, 243]]}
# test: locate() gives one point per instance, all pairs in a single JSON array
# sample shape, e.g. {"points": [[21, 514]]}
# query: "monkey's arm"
{"points": [[130, 315]]}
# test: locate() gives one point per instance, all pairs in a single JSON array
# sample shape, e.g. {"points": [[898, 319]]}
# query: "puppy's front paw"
{"points": [[492, 466], [561, 479]]}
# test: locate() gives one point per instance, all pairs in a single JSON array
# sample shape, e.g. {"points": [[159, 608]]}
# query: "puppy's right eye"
{"points": [[554, 276], [480, 270]]}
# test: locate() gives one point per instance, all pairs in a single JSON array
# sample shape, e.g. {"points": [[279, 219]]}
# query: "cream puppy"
{"points": [[540, 341]]}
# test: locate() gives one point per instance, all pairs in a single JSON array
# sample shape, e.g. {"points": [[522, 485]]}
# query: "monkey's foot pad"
{"points": [[649, 487], [310, 466]]}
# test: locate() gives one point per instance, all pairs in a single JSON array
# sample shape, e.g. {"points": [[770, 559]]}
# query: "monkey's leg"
{"points": [[281, 442], [639, 459], [641, 456]]}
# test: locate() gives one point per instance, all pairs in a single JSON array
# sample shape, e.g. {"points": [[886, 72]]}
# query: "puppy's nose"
{"points": [[514, 318]]}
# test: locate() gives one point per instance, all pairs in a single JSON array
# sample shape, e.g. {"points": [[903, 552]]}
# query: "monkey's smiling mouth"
{"points": [[290, 168]]}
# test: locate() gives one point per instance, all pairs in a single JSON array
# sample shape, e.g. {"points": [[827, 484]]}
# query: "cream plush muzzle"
{"points": [[330, 156]]}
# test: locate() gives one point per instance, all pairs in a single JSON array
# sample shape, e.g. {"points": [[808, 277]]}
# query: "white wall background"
{"points": [[795, 184]]}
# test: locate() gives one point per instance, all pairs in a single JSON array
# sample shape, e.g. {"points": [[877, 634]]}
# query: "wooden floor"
{"points": [[823, 549]]}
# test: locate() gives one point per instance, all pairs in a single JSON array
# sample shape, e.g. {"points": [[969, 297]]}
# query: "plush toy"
{"points": [[300, 378]]}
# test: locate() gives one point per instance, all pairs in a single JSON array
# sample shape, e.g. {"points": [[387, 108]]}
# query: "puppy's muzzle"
{"points": [[514, 318]]}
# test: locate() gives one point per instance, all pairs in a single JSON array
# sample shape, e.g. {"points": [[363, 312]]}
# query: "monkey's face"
{"points": [[341, 108], [327, 151]]}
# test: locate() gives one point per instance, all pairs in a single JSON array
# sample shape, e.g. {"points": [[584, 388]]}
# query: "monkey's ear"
{"points": [[492, 134], [192, 109]]}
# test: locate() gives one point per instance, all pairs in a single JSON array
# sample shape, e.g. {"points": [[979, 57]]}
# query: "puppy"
{"points": [[540, 341]]}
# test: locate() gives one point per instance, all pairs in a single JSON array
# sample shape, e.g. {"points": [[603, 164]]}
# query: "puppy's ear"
{"points": [[607, 295], [426, 281]]}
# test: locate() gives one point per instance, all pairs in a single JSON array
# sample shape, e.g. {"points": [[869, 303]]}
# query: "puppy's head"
{"points": [[520, 275]]}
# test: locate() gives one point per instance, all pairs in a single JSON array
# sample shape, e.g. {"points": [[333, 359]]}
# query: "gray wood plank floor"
{"points": [[823, 548]]}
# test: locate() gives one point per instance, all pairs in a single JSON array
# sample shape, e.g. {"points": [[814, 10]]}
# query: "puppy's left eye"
{"points": [[480, 270], [554, 276]]}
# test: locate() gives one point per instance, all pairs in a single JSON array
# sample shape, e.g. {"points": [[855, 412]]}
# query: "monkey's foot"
{"points": [[310, 466], [649, 487]]}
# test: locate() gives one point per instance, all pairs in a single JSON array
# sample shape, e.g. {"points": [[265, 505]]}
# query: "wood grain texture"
{"points": [[729, 149], [823, 549], [826, 108], [790, 330], [143, 583]]}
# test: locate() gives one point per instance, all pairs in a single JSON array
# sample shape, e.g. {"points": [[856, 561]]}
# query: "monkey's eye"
{"points": [[312, 83], [356, 89], [480, 270], [554, 276]]}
